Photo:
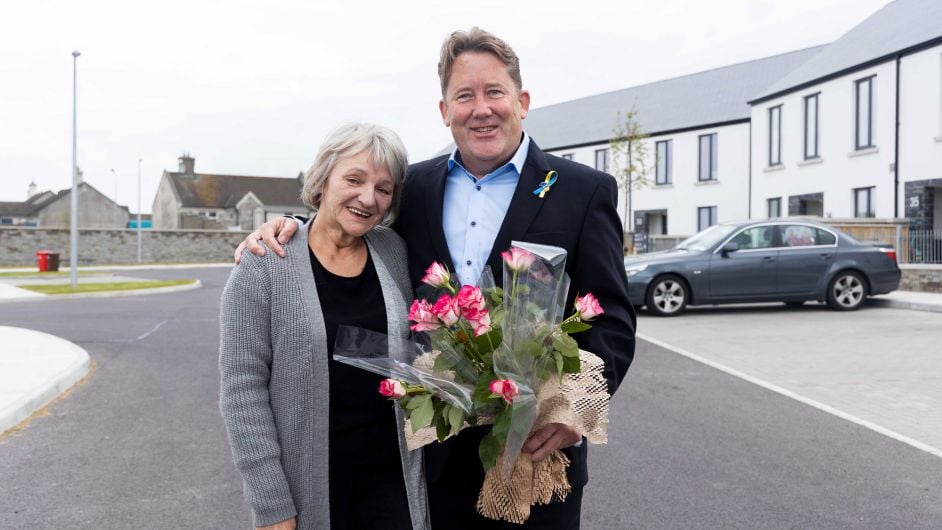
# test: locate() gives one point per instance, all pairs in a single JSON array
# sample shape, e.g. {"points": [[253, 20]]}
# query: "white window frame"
{"points": [[862, 141], [713, 140], [812, 136], [711, 217], [867, 192], [664, 162], [775, 136], [777, 201], [603, 153]]}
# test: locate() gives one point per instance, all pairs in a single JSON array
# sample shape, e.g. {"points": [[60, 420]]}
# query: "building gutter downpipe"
{"points": [[899, 59]]}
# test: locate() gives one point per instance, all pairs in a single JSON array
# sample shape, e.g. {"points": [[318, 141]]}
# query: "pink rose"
{"points": [[518, 259], [588, 307], [504, 388], [480, 320], [392, 389], [421, 314], [446, 309], [470, 297], [436, 275]]}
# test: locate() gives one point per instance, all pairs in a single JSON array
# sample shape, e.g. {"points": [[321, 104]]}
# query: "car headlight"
{"points": [[634, 269]]}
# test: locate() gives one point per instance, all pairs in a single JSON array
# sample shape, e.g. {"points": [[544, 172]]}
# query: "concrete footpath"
{"points": [[36, 367]]}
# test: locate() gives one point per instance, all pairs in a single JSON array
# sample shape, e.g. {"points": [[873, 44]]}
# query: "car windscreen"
{"points": [[706, 239]]}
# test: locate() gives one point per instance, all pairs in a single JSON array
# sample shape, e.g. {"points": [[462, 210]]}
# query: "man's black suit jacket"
{"points": [[579, 214]]}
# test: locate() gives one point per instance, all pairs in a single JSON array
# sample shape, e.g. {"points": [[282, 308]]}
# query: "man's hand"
{"points": [[274, 233], [287, 524], [549, 438]]}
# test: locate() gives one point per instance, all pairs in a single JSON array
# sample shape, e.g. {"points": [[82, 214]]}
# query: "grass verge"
{"points": [[59, 274], [102, 286]]}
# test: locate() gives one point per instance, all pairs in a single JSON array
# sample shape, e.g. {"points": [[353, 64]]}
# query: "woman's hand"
{"points": [[287, 524], [274, 233]]}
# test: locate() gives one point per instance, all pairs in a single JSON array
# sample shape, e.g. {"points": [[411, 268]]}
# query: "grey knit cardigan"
{"points": [[274, 380]]}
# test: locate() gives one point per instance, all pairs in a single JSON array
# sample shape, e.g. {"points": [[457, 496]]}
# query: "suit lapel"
{"points": [[434, 200], [523, 207]]}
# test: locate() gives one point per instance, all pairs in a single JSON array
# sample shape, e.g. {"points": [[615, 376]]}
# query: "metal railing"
{"points": [[924, 246]]}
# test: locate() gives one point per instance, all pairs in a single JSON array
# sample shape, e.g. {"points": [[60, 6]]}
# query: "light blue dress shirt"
{"points": [[473, 211]]}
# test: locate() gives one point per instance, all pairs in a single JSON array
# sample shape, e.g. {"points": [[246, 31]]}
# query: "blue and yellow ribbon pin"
{"points": [[548, 182]]}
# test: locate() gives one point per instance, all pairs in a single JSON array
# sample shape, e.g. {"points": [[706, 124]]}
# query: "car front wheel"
{"points": [[667, 296], [847, 291]]}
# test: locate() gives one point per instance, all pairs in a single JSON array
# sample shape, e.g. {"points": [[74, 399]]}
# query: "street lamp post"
{"points": [[139, 210], [73, 222]]}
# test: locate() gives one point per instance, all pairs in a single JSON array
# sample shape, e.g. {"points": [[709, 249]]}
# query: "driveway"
{"points": [[878, 367]]}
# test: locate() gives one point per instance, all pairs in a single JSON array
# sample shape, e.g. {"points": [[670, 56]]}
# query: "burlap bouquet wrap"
{"points": [[578, 400]]}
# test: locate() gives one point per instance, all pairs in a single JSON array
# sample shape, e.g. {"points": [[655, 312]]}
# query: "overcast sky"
{"points": [[252, 88]]}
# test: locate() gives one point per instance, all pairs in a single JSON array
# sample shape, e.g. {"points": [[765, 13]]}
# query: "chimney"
{"points": [[31, 190], [187, 164], [80, 177]]}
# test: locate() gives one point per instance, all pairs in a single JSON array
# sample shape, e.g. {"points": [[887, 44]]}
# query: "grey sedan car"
{"points": [[791, 261]]}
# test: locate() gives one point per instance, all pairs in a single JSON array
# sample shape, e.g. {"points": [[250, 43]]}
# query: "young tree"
{"points": [[629, 160]]}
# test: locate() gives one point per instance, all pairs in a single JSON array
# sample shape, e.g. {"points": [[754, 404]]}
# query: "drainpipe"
{"points": [[899, 59], [749, 193]]}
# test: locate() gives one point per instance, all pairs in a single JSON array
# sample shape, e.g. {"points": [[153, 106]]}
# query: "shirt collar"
{"points": [[516, 161]]}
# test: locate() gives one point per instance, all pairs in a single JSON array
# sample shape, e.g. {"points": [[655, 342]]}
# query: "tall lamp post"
{"points": [[73, 222], [139, 210]]}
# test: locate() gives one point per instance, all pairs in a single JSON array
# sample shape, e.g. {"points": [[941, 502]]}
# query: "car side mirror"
{"points": [[730, 247]]}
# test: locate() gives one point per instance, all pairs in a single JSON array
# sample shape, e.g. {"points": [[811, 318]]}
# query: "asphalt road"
{"points": [[141, 443]]}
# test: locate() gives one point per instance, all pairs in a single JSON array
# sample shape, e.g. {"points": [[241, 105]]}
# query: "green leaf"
{"points": [[422, 415], [565, 345], [559, 361], [575, 327], [441, 425], [571, 365], [456, 419], [443, 362], [489, 450], [417, 401], [502, 424]]}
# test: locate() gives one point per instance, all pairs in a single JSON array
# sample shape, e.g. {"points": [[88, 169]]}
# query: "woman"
{"points": [[316, 444]]}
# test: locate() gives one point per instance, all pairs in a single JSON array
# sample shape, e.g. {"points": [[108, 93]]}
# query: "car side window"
{"points": [[755, 237], [825, 237], [798, 235]]}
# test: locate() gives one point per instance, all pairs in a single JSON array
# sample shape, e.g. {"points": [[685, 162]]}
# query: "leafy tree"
{"points": [[629, 158]]}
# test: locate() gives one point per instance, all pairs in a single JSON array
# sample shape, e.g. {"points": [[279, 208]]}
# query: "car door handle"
{"points": [[826, 256], [769, 259]]}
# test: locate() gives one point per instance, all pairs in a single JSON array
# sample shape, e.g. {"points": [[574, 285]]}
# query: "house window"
{"points": [[775, 136], [863, 113], [707, 157], [811, 127], [601, 160], [212, 216], [774, 207], [6, 220], [663, 150], [706, 217], [863, 202], [567, 156]]}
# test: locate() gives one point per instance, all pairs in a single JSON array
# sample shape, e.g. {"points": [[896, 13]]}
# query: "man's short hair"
{"points": [[477, 40], [349, 140]]}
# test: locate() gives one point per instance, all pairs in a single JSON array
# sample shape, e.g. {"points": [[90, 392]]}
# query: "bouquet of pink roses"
{"points": [[502, 357]]}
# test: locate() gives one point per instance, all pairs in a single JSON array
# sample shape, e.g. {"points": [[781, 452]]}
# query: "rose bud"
{"points": [[392, 389], [505, 388], [588, 307], [436, 275], [518, 259]]}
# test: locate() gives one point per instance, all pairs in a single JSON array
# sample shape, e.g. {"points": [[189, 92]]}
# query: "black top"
{"points": [[362, 422]]}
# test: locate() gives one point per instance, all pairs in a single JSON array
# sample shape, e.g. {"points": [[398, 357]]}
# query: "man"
{"points": [[464, 209]]}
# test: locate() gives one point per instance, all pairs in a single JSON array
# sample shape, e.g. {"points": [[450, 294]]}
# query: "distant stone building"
{"points": [[189, 200], [53, 210]]}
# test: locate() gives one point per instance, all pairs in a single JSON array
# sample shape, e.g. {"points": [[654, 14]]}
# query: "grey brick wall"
{"points": [[18, 245], [922, 278]]}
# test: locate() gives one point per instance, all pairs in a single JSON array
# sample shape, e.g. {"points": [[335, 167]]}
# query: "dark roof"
{"points": [[17, 209], [712, 97], [897, 27], [202, 190]]}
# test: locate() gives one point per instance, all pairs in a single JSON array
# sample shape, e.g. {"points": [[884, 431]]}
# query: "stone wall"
{"points": [[922, 278], [18, 246]]}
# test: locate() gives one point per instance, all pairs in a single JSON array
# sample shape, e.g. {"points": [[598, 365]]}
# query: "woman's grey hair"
{"points": [[477, 40], [350, 140]]}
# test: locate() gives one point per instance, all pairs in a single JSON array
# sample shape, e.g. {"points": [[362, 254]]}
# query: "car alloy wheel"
{"points": [[667, 296], [847, 291]]}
